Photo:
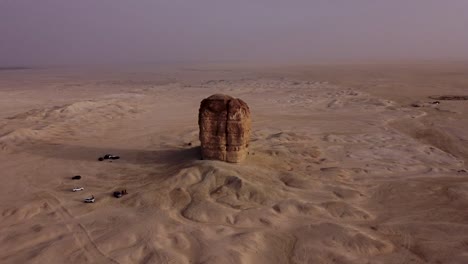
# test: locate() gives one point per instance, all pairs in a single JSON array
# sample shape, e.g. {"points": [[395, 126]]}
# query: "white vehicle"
{"points": [[77, 189], [89, 200]]}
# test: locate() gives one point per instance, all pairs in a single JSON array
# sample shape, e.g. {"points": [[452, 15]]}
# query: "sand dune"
{"points": [[335, 174]]}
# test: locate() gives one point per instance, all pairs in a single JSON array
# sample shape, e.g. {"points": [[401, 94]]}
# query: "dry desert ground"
{"points": [[349, 163]]}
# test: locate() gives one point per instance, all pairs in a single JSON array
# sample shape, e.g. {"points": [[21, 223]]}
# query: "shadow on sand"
{"points": [[166, 156]]}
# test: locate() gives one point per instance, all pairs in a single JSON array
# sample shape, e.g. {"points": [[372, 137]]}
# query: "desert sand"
{"points": [[341, 168]]}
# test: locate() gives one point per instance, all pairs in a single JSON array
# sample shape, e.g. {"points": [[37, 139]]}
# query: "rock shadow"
{"points": [[166, 156]]}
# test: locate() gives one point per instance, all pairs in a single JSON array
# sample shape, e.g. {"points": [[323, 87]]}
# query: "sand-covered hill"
{"points": [[339, 170]]}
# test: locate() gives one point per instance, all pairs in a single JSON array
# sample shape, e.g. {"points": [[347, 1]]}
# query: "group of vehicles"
{"points": [[91, 199], [117, 194], [86, 200]]}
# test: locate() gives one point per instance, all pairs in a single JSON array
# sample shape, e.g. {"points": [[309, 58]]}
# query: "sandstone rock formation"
{"points": [[225, 126]]}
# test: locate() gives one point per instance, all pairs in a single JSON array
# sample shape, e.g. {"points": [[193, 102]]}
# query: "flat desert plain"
{"points": [[350, 163]]}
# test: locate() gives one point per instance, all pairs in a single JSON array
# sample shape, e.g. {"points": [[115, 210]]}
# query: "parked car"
{"points": [[89, 200], [77, 189]]}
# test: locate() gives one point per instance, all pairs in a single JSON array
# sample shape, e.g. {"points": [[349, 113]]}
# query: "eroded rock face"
{"points": [[225, 125]]}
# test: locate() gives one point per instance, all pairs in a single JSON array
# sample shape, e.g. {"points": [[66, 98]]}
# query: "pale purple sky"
{"points": [[119, 31]]}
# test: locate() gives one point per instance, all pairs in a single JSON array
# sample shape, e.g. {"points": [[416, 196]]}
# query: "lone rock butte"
{"points": [[225, 126]]}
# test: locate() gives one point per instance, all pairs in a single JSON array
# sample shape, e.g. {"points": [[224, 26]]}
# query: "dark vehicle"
{"points": [[109, 157], [118, 194]]}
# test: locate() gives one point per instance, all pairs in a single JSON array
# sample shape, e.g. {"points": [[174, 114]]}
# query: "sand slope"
{"points": [[334, 175]]}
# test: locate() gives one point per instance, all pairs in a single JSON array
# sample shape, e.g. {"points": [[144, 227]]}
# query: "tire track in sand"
{"points": [[78, 231]]}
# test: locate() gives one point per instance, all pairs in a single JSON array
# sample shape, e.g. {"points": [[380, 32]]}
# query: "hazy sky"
{"points": [[107, 31]]}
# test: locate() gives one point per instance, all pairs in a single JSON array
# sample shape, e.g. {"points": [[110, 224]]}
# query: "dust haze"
{"points": [[110, 31], [343, 163]]}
